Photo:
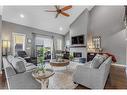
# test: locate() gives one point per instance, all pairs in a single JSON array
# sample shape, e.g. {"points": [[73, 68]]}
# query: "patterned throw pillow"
{"points": [[105, 56], [10, 58], [18, 65], [97, 61]]}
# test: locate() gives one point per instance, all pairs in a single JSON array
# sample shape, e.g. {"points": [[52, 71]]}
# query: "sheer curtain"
{"points": [[54, 48]]}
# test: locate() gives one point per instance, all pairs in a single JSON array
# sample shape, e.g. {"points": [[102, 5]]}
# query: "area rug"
{"points": [[62, 79]]}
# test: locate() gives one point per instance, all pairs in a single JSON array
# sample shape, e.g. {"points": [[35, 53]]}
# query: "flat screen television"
{"points": [[77, 40]]}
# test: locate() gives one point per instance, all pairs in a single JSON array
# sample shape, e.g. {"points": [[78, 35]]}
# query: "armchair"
{"points": [[91, 77]]}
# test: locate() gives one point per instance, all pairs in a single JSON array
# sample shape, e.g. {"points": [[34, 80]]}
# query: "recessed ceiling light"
{"points": [[61, 28], [22, 15]]}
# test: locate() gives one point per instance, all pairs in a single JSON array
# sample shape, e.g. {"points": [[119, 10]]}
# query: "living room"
{"points": [[73, 38]]}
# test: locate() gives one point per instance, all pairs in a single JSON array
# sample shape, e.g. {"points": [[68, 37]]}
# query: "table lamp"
{"points": [[5, 46]]}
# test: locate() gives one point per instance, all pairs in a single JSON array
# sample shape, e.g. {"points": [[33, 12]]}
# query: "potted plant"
{"points": [[41, 65], [71, 57]]}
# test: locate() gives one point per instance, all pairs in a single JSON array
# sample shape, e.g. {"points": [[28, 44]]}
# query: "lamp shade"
{"points": [[5, 44]]}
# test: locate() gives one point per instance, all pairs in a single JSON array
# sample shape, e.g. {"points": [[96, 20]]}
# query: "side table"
{"points": [[43, 78]]}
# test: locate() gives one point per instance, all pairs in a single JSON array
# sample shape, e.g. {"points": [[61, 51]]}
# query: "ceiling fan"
{"points": [[60, 10]]}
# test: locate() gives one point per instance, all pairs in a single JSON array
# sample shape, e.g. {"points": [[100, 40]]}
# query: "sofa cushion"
{"points": [[25, 63], [23, 81], [9, 70], [97, 61], [10, 58], [18, 65]]}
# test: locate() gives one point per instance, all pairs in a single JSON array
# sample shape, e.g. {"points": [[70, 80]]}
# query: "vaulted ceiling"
{"points": [[35, 16]]}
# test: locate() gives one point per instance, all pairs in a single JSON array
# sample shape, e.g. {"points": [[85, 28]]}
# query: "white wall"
{"points": [[67, 38], [107, 22], [126, 47], [80, 25], [0, 40], [8, 28]]}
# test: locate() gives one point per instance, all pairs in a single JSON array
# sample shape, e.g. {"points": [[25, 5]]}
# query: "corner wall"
{"points": [[107, 22], [0, 41]]}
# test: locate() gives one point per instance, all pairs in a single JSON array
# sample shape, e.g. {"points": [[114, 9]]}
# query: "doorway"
{"points": [[18, 42]]}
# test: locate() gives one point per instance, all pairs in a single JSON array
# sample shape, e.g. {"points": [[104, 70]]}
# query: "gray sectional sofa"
{"points": [[19, 76]]}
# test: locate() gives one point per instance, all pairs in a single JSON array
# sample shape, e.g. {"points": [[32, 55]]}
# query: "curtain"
{"points": [[33, 45], [54, 49]]}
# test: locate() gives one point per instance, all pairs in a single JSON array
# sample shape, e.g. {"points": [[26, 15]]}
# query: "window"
{"points": [[18, 42], [46, 42], [59, 44]]}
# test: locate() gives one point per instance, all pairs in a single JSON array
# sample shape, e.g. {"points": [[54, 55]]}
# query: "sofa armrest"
{"points": [[87, 76], [9, 71], [84, 69], [90, 77]]}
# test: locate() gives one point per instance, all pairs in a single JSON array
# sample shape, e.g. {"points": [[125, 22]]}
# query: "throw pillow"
{"points": [[19, 66], [97, 61], [10, 58], [25, 63], [105, 56], [22, 59]]}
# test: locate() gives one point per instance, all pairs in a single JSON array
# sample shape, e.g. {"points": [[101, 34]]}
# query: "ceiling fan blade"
{"points": [[50, 11], [57, 7], [66, 8], [57, 15], [65, 14]]}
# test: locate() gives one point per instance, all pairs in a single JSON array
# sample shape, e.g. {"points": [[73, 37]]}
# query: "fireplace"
{"points": [[77, 54]]}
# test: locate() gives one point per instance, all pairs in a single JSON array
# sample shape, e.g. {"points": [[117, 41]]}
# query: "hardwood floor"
{"points": [[116, 80], [3, 83]]}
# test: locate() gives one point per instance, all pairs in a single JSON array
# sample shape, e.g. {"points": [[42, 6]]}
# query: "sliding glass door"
{"points": [[46, 42]]}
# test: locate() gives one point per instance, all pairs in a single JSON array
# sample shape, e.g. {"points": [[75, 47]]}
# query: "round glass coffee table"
{"points": [[43, 78], [62, 63]]}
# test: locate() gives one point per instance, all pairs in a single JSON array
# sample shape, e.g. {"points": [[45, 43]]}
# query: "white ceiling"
{"points": [[35, 16]]}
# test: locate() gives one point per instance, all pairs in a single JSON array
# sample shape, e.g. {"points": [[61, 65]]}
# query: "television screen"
{"points": [[78, 40]]}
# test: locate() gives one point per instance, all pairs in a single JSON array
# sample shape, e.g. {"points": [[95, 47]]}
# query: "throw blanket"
{"points": [[113, 57], [109, 54]]}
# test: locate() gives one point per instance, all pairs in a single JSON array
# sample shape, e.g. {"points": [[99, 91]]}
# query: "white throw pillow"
{"points": [[25, 63], [18, 65], [10, 58], [97, 61]]}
